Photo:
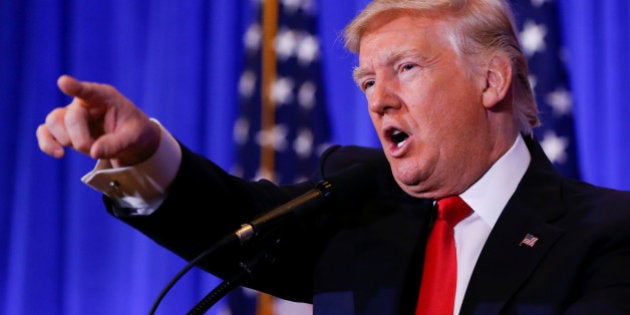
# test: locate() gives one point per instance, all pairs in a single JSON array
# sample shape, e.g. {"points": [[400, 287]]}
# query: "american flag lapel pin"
{"points": [[529, 240]]}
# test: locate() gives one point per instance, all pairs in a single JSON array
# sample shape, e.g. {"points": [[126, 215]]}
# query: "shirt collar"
{"points": [[489, 195]]}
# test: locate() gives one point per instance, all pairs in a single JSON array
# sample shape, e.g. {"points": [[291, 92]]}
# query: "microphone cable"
{"points": [[226, 240]]}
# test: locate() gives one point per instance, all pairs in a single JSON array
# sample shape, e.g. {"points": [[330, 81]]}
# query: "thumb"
{"points": [[106, 147], [128, 145]]}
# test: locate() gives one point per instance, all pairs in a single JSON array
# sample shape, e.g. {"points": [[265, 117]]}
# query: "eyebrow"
{"points": [[358, 72]]}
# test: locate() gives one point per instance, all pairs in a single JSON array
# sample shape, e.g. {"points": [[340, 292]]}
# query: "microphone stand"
{"points": [[228, 285], [261, 227]]}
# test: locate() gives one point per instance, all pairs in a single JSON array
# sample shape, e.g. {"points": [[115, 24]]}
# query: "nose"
{"points": [[383, 97]]}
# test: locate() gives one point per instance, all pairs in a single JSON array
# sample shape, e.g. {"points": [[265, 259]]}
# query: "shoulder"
{"points": [[612, 202], [342, 158], [366, 164]]}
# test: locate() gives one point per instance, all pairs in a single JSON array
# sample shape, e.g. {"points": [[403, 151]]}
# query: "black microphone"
{"points": [[343, 186]]}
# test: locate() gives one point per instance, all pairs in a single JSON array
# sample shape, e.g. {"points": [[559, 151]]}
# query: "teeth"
{"points": [[398, 137]]}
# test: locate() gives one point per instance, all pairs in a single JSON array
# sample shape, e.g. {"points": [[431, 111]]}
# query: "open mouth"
{"points": [[398, 137]]}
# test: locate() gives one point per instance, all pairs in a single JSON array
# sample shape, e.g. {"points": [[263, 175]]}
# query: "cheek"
{"points": [[427, 110], [442, 104]]}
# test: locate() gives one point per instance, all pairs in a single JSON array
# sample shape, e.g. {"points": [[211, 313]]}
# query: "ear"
{"points": [[498, 80]]}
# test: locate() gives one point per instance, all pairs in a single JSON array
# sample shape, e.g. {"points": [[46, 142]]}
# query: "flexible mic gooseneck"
{"points": [[344, 186], [299, 206]]}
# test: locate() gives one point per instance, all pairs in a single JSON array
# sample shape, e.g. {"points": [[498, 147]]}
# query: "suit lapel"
{"points": [[520, 239], [388, 261]]}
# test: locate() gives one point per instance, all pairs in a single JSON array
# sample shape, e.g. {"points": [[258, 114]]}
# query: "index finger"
{"points": [[91, 93]]}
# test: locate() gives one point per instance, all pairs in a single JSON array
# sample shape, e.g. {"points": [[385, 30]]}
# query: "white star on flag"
{"points": [[539, 34], [555, 147], [532, 37], [560, 100]]}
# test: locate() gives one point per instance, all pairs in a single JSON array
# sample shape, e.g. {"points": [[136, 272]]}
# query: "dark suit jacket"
{"points": [[364, 256]]}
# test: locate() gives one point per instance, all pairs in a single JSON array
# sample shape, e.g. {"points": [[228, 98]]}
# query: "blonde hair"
{"points": [[480, 26]]}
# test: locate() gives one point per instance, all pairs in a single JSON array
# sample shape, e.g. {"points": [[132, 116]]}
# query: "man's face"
{"points": [[426, 105]]}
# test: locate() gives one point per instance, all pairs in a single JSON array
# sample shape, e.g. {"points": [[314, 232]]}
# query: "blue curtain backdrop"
{"points": [[180, 61]]}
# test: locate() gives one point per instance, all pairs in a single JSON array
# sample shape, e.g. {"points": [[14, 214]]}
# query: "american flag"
{"points": [[283, 125], [541, 41], [529, 240]]}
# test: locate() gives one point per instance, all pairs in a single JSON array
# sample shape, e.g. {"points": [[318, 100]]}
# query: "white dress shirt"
{"points": [[487, 197]]}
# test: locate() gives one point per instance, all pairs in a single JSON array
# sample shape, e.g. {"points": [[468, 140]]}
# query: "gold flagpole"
{"points": [[264, 305], [268, 119]]}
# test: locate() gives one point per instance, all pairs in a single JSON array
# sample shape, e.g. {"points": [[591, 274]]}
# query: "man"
{"points": [[447, 91]]}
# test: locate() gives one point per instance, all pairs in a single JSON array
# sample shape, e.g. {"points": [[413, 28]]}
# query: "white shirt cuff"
{"points": [[141, 188]]}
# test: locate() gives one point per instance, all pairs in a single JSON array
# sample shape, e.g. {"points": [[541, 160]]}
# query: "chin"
{"points": [[416, 183], [416, 191], [413, 188]]}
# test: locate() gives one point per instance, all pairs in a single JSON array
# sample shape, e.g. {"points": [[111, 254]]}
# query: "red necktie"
{"points": [[439, 276]]}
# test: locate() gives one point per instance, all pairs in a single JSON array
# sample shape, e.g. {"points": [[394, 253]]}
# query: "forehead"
{"points": [[390, 36]]}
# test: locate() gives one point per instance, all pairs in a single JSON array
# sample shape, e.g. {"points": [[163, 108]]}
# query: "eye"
{"points": [[367, 84], [407, 66]]}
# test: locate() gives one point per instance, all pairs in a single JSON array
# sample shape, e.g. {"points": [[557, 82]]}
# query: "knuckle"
{"points": [[70, 118], [81, 146], [55, 116]]}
